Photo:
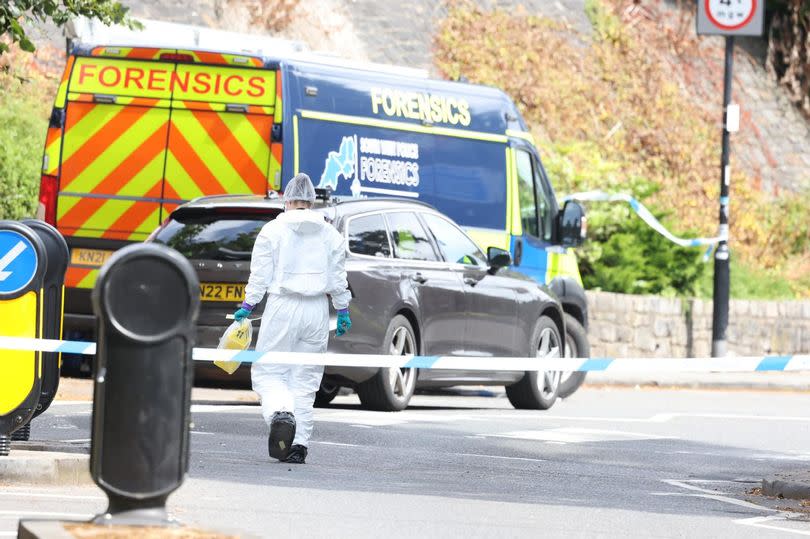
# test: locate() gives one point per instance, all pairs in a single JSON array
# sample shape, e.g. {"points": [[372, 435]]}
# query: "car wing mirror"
{"points": [[497, 259], [572, 224]]}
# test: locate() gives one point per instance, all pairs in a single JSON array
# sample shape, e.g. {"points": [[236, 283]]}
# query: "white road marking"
{"points": [[339, 444], [577, 435], [10, 257], [665, 418], [85, 516], [362, 426], [499, 457], [200, 432], [50, 495], [761, 522]]}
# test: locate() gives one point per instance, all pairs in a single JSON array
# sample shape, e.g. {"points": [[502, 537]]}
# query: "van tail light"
{"points": [[48, 192]]}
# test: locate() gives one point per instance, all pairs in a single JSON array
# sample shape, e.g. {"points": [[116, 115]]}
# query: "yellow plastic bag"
{"points": [[238, 336]]}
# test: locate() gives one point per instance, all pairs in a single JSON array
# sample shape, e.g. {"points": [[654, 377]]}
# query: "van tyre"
{"points": [[391, 389], [538, 390], [576, 345]]}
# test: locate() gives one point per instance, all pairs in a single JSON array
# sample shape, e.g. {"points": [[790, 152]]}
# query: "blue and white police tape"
{"points": [[727, 364], [646, 216]]}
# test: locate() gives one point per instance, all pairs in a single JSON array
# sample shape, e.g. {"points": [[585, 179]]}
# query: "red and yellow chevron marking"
{"points": [[217, 58], [53, 150], [134, 53], [79, 277], [112, 151], [274, 173], [216, 153], [61, 92]]}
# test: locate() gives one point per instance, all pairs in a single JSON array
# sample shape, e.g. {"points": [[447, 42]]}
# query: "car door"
{"points": [[438, 292], [491, 299]]}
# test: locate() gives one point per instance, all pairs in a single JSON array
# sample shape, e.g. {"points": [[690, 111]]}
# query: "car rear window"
{"points": [[213, 237], [368, 236]]}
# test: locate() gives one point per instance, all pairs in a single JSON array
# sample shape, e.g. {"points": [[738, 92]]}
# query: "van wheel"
{"points": [[391, 389], [576, 345], [538, 390], [326, 394]]}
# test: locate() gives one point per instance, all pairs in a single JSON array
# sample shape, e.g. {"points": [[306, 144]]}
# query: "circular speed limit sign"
{"points": [[730, 14]]}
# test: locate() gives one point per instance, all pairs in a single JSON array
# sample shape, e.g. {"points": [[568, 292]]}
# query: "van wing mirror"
{"points": [[572, 224], [497, 259]]}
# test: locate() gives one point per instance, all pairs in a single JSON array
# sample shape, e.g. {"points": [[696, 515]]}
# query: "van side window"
{"points": [[544, 197], [368, 236], [526, 193], [410, 239]]}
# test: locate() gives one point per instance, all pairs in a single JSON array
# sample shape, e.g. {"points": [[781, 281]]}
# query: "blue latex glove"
{"points": [[344, 322], [243, 312]]}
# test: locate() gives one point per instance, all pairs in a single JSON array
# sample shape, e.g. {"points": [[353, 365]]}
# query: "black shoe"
{"points": [[282, 434], [298, 454]]}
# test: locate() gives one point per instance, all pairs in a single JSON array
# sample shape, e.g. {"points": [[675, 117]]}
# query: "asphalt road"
{"points": [[605, 463]]}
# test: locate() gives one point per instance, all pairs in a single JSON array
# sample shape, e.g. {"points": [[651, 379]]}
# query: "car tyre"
{"points": [[538, 390], [391, 389], [576, 345], [326, 394]]}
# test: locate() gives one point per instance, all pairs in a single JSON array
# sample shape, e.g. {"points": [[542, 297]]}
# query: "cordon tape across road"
{"points": [[728, 364]]}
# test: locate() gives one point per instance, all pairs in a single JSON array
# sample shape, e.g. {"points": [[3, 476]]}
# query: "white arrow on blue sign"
{"points": [[18, 261]]}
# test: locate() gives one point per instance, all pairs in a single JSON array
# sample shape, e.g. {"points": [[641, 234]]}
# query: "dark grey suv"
{"points": [[420, 285]]}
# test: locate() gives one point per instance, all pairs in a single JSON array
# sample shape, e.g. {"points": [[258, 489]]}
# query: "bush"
{"points": [[617, 117], [25, 104]]}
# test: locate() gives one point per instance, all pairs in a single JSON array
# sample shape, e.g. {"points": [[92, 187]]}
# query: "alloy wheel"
{"points": [[402, 380], [549, 347]]}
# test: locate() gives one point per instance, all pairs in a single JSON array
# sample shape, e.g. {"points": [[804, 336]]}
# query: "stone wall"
{"points": [[622, 325]]}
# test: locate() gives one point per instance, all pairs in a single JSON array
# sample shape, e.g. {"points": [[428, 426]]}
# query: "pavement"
{"points": [[609, 461]]}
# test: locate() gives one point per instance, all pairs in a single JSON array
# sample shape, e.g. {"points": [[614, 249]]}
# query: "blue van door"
{"points": [[538, 207]]}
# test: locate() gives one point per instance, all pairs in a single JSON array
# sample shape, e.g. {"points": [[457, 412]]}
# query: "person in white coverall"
{"points": [[298, 259]]}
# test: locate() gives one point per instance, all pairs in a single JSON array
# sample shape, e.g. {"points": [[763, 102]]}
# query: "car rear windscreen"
{"points": [[213, 237]]}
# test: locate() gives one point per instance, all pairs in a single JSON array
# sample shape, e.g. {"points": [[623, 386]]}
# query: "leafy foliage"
{"points": [[789, 49], [25, 99], [615, 118], [15, 13]]}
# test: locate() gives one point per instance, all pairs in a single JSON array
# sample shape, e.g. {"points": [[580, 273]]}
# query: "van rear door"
{"points": [[131, 124], [114, 148], [220, 132]]}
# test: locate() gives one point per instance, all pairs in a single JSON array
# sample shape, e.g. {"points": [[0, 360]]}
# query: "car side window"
{"points": [[410, 239], [454, 245], [526, 193], [368, 236], [543, 196]]}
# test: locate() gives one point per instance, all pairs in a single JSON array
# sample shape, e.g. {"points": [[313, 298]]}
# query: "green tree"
{"points": [[15, 13]]}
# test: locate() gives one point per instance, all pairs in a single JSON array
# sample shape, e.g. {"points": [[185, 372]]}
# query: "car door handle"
{"points": [[472, 281], [418, 278]]}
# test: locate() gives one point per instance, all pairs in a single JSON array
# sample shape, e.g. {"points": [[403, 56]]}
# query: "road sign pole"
{"points": [[722, 254]]}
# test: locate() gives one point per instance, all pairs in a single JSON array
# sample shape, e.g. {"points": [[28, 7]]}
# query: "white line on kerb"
{"points": [[46, 514]]}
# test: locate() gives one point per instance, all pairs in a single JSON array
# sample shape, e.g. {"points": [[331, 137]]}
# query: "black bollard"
{"points": [[52, 309], [146, 301], [23, 262]]}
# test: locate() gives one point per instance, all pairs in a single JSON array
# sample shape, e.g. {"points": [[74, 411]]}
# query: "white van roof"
{"points": [[168, 35]]}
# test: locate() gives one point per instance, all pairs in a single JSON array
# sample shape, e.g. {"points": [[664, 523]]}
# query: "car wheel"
{"points": [[326, 394], [538, 390], [391, 389], [576, 345]]}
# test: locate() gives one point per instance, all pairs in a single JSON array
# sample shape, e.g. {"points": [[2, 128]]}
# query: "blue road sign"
{"points": [[18, 261]]}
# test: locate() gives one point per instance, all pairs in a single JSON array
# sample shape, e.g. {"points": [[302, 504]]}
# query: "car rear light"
{"points": [[176, 57], [48, 191]]}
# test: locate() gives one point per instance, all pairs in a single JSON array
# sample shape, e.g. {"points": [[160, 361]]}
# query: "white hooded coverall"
{"points": [[298, 259]]}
